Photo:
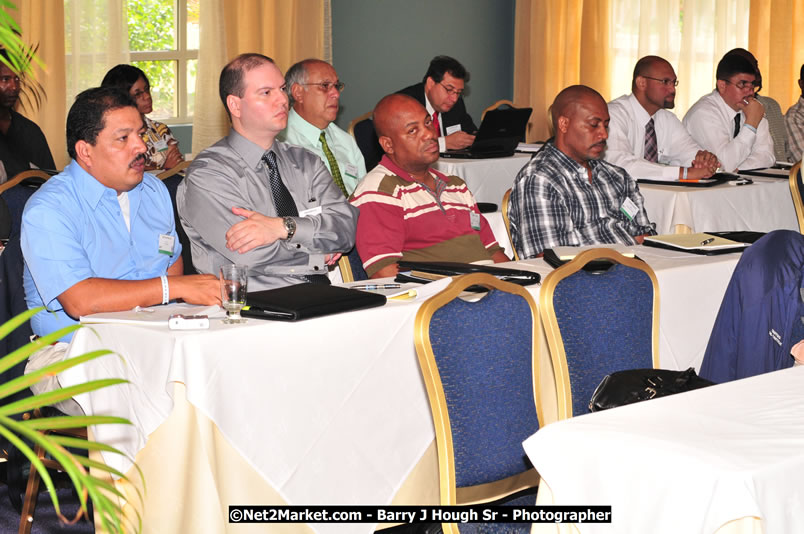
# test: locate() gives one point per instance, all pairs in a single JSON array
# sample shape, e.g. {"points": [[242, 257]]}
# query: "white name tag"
{"points": [[161, 145], [474, 220], [350, 170], [629, 208], [166, 243], [310, 212], [452, 129]]}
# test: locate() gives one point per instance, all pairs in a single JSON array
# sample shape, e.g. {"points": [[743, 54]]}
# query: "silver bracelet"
{"points": [[685, 173], [165, 289]]}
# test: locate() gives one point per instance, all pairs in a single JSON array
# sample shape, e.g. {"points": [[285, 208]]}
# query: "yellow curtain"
{"points": [[558, 43], [42, 22], [775, 38], [287, 31]]}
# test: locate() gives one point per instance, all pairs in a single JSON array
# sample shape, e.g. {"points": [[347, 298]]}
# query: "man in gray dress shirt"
{"points": [[251, 200]]}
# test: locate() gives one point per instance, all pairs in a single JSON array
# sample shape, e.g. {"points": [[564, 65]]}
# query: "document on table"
{"points": [[152, 315], [700, 241]]}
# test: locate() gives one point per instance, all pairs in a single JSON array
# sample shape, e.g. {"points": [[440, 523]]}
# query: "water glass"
{"points": [[234, 284]]}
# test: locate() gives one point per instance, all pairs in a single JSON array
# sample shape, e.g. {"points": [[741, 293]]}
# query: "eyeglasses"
{"points": [[451, 90], [326, 86], [664, 81], [742, 84]]}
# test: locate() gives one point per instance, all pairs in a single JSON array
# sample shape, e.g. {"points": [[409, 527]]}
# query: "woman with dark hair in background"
{"points": [[163, 149]]}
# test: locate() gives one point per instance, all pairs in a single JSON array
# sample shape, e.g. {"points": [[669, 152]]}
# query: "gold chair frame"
{"points": [[507, 221], [554, 340], [33, 173], [179, 167], [796, 193], [495, 105], [450, 495], [346, 269], [364, 116]]}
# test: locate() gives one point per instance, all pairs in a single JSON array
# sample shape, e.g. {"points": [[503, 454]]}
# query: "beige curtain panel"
{"points": [[286, 31]]}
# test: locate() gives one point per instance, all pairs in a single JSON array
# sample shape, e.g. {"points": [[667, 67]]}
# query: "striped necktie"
{"points": [[651, 150], [333, 164]]}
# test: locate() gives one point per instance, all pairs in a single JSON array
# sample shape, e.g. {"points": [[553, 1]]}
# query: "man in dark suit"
{"points": [[441, 94]]}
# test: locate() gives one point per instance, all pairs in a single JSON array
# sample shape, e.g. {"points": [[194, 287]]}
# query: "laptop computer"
{"points": [[499, 134]]}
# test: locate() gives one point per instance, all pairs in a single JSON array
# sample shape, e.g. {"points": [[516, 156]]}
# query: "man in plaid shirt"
{"points": [[566, 194], [794, 122]]}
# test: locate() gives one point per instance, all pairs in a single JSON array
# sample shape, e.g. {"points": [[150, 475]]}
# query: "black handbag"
{"points": [[635, 385]]}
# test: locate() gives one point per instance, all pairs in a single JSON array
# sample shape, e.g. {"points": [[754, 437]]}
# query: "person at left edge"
{"points": [[315, 91], [100, 236], [253, 200]]}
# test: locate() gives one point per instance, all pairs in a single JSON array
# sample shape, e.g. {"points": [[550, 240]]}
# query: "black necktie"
{"points": [[736, 124], [285, 207]]}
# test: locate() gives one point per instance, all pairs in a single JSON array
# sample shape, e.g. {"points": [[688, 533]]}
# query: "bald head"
{"points": [[406, 132], [581, 120], [568, 100], [654, 84]]}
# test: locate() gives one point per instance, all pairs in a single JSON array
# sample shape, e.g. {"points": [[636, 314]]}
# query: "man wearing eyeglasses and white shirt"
{"points": [[315, 93], [645, 138], [441, 93], [730, 122]]}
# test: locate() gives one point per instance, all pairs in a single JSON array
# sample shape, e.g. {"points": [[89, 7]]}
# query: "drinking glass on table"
{"points": [[234, 284]]}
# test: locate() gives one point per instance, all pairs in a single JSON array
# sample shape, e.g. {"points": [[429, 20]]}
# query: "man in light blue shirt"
{"points": [[315, 93], [100, 236]]}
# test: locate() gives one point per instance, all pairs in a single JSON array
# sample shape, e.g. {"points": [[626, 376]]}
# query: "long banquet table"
{"points": [[728, 458], [327, 411], [762, 206]]}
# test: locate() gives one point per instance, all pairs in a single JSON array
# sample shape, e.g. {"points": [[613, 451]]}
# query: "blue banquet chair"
{"points": [[797, 191], [479, 361], [598, 322]]}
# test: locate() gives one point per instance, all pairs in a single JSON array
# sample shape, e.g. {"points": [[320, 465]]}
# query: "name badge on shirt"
{"points": [[166, 243], [161, 145], [474, 220], [312, 211], [452, 129], [350, 170], [629, 209]]}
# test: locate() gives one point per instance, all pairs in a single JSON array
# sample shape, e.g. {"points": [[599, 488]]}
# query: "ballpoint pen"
{"points": [[707, 241], [375, 287]]}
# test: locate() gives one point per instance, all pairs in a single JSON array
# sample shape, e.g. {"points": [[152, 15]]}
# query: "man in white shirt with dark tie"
{"points": [[730, 121], [645, 138]]}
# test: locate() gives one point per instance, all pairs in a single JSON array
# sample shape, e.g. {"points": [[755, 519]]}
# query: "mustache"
{"points": [[601, 144], [137, 160]]}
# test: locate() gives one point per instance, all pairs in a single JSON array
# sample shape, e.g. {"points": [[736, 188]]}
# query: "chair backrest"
{"points": [[797, 191], [352, 267], [496, 105], [172, 184], [505, 201], [598, 322], [362, 129], [38, 176], [176, 169], [480, 365]]}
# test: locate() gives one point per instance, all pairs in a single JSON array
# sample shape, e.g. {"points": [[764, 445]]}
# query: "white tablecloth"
{"points": [[488, 179], [762, 206], [687, 463], [331, 410]]}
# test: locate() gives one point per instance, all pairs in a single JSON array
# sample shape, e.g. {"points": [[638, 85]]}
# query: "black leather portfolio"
{"points": [[305, 301]]}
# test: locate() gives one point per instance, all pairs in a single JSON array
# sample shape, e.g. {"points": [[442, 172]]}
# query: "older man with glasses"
{"points": [[645, 138], [730, 121], [441, 93], [315, 92]]}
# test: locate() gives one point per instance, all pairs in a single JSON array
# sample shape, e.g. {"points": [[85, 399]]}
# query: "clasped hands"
{"points": [[704, 165], [256, 230]]}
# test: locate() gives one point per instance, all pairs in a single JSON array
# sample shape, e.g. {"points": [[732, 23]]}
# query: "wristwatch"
{"points": [[290, 226]]}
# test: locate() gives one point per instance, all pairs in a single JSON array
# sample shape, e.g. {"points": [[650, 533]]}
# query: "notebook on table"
{"points": [[498, 136], [306, 301]]}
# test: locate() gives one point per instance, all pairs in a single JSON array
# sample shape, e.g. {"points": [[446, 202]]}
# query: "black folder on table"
{"points": [[715, 179], [305, 301], [447, 268]]}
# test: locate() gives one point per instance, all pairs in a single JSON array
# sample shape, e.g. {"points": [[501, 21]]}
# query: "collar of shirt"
{"points": [[298, 124], [93, 191], [639, 112], [725, 109], [569, 163], [391, 166], [250, 152]]}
